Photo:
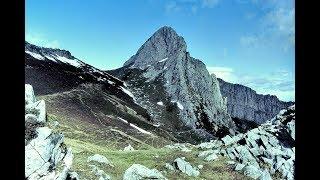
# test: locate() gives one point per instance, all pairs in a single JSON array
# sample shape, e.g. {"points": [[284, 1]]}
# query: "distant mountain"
{"points": [[175, 88], [84, 94], [245, 104]]}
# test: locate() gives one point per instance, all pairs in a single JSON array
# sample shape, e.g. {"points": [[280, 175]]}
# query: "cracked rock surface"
{"points": [[45, 151]]}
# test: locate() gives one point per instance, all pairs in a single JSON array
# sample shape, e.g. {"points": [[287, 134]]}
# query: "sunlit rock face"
{"points": [[45, 150], [185, 82], [245, 104]]}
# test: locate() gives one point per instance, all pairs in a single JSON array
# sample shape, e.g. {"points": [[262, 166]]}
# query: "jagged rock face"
{"points": [[185, 82], [49, 53], [245, 104], [268, 149], [44, 149]]}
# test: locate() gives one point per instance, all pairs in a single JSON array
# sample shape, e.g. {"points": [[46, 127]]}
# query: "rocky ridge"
{"points": [[263, 152], [245, 104], [46, 155], [177, 79]]}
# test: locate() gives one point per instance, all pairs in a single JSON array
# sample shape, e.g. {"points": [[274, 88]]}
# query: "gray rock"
{"points": [[128, 148], [231, 162], [99, 172], [291, 129], [252, 171], [227, 140], [206, 153], [186, 81], [31, 118], [246, 156], [38, 109], [46, 150], [186, 168], [100, 159], [245, 103], [170, 167], [29, 95], [178, 146], [139, 172], [211, 157], [209, 145], [265, 175], [239, 167]]}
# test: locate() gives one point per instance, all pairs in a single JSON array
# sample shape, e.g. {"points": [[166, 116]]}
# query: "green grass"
{"points": [[87, 139]]}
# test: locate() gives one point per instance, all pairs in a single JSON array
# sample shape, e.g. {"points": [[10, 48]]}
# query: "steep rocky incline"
{"points": [[46, 155], [166, 79], [244, 103], [51, 70], [86, 95], [265, 152]]}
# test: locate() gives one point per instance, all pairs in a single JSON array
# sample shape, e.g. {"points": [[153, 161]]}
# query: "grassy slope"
{"points": [[87, 139]]}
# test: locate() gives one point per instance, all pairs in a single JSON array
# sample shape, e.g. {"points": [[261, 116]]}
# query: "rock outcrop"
{"points": [[263, 151], [245, 104], [139, 172], [46, 156], [176, 81]]}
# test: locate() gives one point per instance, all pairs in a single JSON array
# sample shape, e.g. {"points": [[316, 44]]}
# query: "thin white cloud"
{"points": [[41, 40], [172, 6], [277, 25], [250, 41], [189, 6], [224, 73], [280, 83], [209, 3]]}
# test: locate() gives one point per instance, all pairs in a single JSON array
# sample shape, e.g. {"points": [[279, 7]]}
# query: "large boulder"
{"points": [[186, 167], [139, 172], [44, 149], [261, 151], [100, 159]]}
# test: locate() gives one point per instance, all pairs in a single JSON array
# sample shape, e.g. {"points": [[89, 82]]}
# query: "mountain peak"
{"points": [[164, 43], [166, 31]]}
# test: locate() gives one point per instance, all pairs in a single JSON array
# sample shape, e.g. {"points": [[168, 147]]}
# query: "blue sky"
{"points": [[249, 42]]}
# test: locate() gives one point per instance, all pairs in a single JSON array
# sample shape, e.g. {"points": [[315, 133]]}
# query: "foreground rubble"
{"points": [[46, 155], [266, 151]]}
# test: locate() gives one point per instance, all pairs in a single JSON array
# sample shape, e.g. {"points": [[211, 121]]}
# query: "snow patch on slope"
{"points": [[163, 60], [160, 103], [35, 55], [134, 126], [140, 129], [180, 106], [111, 82], [72, 62], [127, 92], [50, 58]]}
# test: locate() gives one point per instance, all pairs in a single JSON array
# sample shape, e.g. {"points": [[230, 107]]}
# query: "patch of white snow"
{"points": [[134, 126], [127, 92], [72, 62], [111, 82], [50, 58], [163, 60], [139, 129], [35, 55], [180, 106], [160, 103], [122, 120]]}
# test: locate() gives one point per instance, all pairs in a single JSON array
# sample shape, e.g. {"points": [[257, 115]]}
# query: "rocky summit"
{"points": [[176, 80]]}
